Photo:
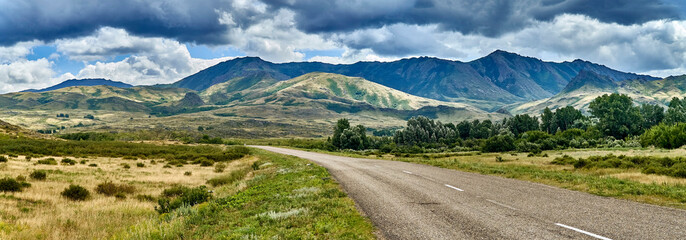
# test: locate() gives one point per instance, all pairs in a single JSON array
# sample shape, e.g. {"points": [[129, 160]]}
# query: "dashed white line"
{"points": [[500, 204], [454, 188], [408, 172], [582, 231]]}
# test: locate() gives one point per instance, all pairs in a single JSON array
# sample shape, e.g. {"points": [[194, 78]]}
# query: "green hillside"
{"points": [[587, 86], [335, 88]]}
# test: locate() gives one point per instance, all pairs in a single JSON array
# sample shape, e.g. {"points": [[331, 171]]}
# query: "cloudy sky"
{"points": [[43, 42]]}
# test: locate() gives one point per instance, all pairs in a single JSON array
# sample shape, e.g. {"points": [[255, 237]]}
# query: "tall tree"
{"points": [[616, 114], [520, 124], [424, 130], [565, 117], [652, 115], [547, 124], [341, 126], [676, 112]]}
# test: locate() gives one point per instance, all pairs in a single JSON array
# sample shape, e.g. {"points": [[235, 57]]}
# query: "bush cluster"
{"points": [[68, 161], [39, 175], [675, 167], [179, 196], [110, 189], [76, 193], [12, 185], [48, 161]]}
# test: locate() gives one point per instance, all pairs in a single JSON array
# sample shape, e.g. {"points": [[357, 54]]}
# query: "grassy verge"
{"points": [[630, 184], [282, 197]]}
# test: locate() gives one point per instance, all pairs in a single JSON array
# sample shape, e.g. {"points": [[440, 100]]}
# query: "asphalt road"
{"points": [[413, 201]]}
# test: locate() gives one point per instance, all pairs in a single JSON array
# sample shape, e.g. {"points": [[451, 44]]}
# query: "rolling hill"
{"points": [[98, 97], [489, 82]]}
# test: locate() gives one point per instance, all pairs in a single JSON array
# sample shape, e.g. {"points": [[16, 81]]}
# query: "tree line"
{"points": [[614, 121]]}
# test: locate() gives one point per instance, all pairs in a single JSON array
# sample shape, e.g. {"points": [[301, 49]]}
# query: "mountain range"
{"points": [[496, 79], [304, 98]]}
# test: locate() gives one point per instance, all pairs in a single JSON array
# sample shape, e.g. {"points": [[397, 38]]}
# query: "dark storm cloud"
{"points": [[197, 20], [486, 17], [47, 20], [623, 12]]}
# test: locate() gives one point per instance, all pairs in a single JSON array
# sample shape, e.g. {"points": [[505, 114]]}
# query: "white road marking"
{"points": [[582, 231], [454, 188], [407, 172], [500, 204]]}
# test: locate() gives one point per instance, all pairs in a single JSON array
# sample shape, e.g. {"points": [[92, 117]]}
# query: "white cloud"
{"points": [[151, 60], [274, 39], [651, 47], [17, 51], [23, 74]]}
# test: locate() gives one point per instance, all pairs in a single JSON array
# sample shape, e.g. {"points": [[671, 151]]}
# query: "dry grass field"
{"points": [[40, 212]]}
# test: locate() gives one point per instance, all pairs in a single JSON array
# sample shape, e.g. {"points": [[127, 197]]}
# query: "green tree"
{"points": [[463, 128], [547, 124], [345, 137], [676, 112], [481, 130], [616, 114], [422, 130], [341, 126], [520, 124], [652, 115], [565, 117]]}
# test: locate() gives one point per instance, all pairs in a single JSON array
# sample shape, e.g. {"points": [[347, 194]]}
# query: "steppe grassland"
{"points": [[40, 212]]}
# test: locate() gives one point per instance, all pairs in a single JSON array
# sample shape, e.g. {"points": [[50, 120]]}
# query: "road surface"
{"points": [[413, 201]]}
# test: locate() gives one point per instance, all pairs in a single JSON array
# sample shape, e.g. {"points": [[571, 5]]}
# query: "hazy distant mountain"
{"points": [[82, 82], [500, 77], [588, 85]]}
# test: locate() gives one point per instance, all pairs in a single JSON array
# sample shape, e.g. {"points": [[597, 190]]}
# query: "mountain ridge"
{"points": [[500, 77], [82, 82]]}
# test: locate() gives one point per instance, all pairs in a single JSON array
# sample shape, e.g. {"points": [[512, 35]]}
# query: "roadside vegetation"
{"points": [[280, 197], [66, 189], [620, 150]]}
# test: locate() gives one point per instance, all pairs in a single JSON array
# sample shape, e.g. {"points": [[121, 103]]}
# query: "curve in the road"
{"points": [[413, 201]]}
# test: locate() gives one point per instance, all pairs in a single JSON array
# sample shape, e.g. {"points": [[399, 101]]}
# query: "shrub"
{"points": [[499, 143], [3, 159], [10, 185], [48, 161], [678, 170], [140, 164], [499, 159], [219, 167], [120, 196], [145, 198], [92, 165], [187, 173], [83, 161], [39, 175], [166, 166], [665, 136], [126, 165], [174, 191], [68, 161], [206, 163], [110, 189], [188, 197], [564, 160], [76, 193]]}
